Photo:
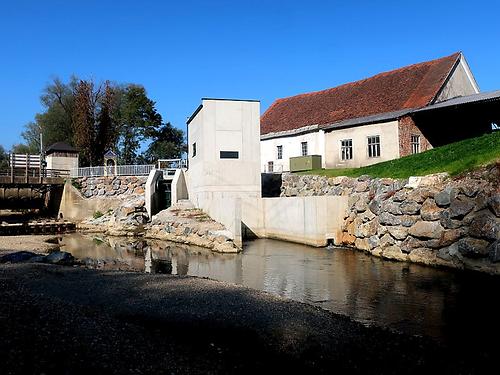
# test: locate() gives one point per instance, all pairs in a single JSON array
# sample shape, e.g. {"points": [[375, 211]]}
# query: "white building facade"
{"points": [[368, 135]]}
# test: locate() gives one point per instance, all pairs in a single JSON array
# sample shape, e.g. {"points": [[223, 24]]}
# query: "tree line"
{"points": [[95, 118]]}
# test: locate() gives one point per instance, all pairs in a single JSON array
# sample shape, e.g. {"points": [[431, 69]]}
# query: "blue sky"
{"points": [[184, 50]]}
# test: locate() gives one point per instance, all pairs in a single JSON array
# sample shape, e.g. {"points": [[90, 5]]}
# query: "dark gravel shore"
{"points": [[64, 320]]}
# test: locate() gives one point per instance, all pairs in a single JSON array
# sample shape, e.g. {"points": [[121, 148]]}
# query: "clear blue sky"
{"points": [[184, 50]]}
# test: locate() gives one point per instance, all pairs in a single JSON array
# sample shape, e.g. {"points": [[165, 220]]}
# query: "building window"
{"points": [[279, 150], [415, 144], [303, 146], [374, 146], [346, 149], [229, 155], [194, 149], [270, 166]]}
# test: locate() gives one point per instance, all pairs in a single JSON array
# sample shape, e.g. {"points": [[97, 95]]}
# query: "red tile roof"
{"points": [[413, 86]]}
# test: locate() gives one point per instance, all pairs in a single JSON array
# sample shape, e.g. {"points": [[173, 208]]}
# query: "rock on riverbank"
{"points": [[180, 223]]}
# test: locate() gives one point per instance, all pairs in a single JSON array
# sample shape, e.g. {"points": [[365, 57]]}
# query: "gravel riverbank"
{"points": [[34, 243], [56, 319]]}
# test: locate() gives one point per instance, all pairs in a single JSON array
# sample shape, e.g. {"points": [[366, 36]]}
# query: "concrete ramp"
{"points": [[314, 221]]}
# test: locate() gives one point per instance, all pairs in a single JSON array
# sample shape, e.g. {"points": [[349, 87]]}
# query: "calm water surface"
{"points": [[447, 305]]}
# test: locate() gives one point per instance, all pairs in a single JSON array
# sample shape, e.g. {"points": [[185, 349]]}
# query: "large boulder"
{"points": [[60, 257], [494, 204], [394, 253], [443, 198], [386, 218], [485, 225], [19, 256], [398, 232], [410, 208], [473, 247], [494, 251], [430, 211], [426, 229], [460, 206]]}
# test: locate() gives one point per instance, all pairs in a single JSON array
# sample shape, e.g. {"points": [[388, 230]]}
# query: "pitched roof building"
{"points": [[362, 122]]}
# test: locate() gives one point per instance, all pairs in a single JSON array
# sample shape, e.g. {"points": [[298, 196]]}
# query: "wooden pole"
{"points": [[27, 167], [12, 162]]}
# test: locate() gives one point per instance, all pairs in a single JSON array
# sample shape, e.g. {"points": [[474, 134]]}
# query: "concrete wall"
{"points": [[461, 83], [389, 144], [69, 162], [179, 186], [291, 148], [216, 184], [308, 220], [150, 192], [77, 208]]}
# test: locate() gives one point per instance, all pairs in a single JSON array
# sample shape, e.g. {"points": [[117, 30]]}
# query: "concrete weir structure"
{"points": [[224, 180], [315, 221], [224, 159]]}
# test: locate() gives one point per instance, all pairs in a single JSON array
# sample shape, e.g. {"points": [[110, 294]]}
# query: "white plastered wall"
{"points": [[461, 83], [292, 146], [67, 163], [389, 144]]}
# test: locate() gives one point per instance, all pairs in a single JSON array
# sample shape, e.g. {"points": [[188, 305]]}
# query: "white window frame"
{"points": [[373, 149], [270, 166], [346, 149], [279, 152], [304, 151], [415, 143]]}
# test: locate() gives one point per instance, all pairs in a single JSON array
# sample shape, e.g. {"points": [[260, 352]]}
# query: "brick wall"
{"points": [[407, 128]]}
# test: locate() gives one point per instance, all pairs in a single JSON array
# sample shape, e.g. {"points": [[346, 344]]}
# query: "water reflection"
{"points": [[406, 297]]}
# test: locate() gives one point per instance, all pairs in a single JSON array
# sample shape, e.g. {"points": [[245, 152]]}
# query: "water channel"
{"points": [[451, 306]]}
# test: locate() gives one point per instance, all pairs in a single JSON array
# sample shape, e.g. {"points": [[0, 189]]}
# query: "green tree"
{"points": [[106, 131], [4, 159], [96, 118], [139, 120], [21, 148], [55, 123], [84, 122], [168, 143]]}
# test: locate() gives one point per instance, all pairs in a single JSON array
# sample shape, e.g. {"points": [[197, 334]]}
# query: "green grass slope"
{"points": [[454, 158]]}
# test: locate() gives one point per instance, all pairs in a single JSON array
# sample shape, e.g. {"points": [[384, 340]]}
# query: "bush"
{"points": [[98, 214]]}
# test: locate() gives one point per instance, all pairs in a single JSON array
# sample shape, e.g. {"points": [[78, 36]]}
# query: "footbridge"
{"points": [[30, 188]]}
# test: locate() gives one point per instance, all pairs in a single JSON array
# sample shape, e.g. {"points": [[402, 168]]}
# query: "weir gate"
{"points": [[31, 188]]}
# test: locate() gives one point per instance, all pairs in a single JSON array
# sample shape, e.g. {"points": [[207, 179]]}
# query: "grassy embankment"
{"points": [[454, 158]]}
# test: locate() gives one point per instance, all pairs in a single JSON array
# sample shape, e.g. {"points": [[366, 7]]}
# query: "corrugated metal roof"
{"points": [[474, 98]]}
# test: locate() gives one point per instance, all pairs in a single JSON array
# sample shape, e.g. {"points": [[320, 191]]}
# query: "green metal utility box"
{"points": [[305, 163]]}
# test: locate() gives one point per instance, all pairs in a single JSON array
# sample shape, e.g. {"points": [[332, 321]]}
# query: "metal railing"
{"points": [[169, 166], [272, 168], [31, 175], [118, 170]]}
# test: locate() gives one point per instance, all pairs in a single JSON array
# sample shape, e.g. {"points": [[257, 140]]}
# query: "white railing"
{"points": [[24, 160], [168, 166], [119, 170], [272, 168]]}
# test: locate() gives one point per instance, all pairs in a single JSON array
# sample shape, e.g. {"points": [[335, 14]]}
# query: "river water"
{"points": [[445, 304]]}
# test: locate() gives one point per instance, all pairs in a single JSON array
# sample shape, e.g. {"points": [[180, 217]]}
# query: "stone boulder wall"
{"points": [[112, 186], [180, 223], [432, 220], [191, 226]]}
